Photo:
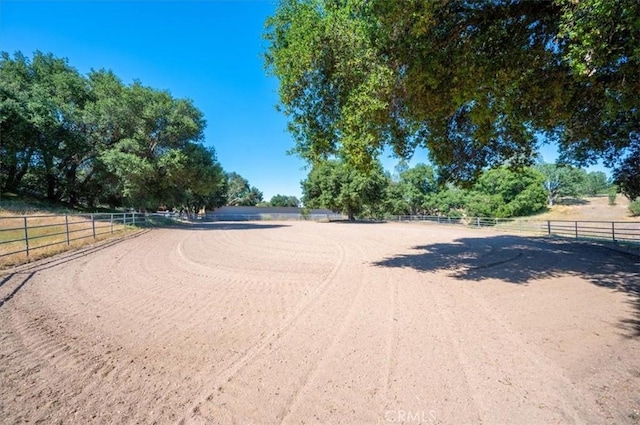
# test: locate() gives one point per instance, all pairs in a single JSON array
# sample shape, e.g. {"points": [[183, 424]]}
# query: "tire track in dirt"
{"points": [[295, 399], [492, 374], [497, 364], [198, 412], [391, 346], [209, 326], [340, 389]]}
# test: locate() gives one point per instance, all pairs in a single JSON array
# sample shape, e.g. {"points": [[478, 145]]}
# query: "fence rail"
{"points": [[25, 234], [613, 231], [272, 216]]}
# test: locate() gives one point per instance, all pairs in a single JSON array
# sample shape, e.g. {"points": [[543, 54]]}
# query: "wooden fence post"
{"points": [[93, 226], [613, 231], [26, 237], [66, 225]]}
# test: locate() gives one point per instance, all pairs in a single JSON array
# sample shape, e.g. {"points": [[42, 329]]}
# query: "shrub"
{"points": [[634, 207], [612, 197]]}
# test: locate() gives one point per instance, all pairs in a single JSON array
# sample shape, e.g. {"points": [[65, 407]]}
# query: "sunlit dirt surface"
{"points": [[297, 322]]}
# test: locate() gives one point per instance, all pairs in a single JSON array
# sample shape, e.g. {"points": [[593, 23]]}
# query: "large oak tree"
{"points": [[476, 83]]}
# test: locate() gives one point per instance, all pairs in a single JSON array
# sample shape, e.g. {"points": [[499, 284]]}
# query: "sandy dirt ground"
{"points": [[296, 322]]}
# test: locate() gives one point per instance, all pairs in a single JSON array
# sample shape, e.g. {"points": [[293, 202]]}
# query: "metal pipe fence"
{"points": [[612, 231], [273, 216], [25, 234]]}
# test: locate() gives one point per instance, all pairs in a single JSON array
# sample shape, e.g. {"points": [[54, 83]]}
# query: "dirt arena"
{"points": [[317, 323]]}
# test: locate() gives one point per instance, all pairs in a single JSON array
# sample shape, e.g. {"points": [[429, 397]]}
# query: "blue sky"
{"points": [[207, 51]]}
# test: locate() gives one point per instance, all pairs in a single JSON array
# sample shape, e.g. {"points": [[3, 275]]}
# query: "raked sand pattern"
{"points": [[323, 323]]}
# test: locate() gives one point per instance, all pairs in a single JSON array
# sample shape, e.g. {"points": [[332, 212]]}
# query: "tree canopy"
{"points": [[333, 184], [88, 140], [284, 201], [499, 192], [476, 83], [240, 192]]}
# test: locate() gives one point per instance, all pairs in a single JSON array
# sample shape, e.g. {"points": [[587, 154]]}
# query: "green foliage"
{"points": [[412, 190], [452, 202], [284, 201], [594, 183], [89, 140], [612, 196], [335, 185], [561, 180], [474, 82], [627, 177], [240, 193], [634, 207], [502, 192]]}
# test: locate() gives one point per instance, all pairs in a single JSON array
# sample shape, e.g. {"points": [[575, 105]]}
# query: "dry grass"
{"points": [[591, 208], [47, 235]]}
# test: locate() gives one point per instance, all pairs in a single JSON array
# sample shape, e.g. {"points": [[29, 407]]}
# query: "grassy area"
{"points": [[52, 231], [589, 208], [47, 235]]}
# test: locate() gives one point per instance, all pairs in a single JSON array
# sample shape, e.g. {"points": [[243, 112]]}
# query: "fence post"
{"points": [[111, 222], [66, 225], [576, 230], [93, 226], [478, 221], [133, 217], [549, 227], [26, 237], [613, 231], [124, 219]]}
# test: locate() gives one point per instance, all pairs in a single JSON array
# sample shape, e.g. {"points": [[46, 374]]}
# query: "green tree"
{"points": [[335, 185], [147, 158], [91, 139], [450, 201], [284, 201], [627, 177], [594, 183], [240, 193], [476, 83], [17, 127], [410, 193], [502, 192], [561, 180], [42, 102]]}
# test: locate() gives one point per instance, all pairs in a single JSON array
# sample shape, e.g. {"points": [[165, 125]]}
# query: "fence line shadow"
{"points": [[222, 225], [519, 260], [20, 275]]}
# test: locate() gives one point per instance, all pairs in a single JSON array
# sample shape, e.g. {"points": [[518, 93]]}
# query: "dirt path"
{"points": [[293, 323]]}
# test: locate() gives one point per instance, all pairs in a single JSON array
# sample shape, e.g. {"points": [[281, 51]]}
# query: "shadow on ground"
{"points": [[222, 225], [14, 279], [519, 260]]}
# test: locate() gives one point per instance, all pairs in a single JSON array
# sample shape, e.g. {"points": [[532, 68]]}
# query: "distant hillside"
{"points": [[592, 208]]}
